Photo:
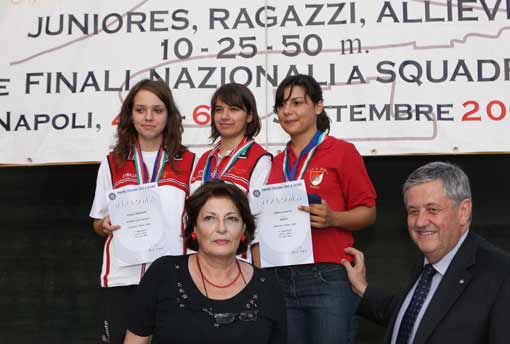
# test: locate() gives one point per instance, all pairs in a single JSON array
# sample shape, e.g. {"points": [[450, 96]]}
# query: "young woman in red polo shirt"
{"points": [[320, 302], [236, 157]]}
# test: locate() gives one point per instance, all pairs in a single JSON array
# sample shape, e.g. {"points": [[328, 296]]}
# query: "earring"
{"points": [[194, 236], [243, 238]]}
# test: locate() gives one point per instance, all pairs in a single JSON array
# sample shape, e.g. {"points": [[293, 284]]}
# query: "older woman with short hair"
{"points": [[210, 296]]}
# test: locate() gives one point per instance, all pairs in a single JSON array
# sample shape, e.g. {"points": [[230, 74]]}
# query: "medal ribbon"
{"points": [[290, 174], [143, 175], [141, 170], [243, 146]]}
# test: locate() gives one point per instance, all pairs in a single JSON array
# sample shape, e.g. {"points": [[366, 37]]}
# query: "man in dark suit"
{"points": [[459, 292]]}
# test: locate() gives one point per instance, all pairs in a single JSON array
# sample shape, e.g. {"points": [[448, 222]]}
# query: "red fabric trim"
{"points": [[107, 272]]}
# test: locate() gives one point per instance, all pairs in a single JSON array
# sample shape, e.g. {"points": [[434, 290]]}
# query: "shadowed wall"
{"points": [[50, 258]]}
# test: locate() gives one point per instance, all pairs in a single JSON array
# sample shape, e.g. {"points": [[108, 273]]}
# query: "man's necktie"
{"points": [[419, 296]]}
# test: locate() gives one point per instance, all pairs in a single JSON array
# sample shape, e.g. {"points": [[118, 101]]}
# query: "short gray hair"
{"points": [[455, 181]]}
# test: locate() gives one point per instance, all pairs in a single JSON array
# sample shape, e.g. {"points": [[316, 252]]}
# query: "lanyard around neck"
{"points": [[289, 173], [217, 174], [142, 174]]}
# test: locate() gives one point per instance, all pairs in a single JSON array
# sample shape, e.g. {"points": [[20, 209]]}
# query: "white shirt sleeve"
{"points": [[103, 185], [258, 178], [198, 183], [261, 171]]}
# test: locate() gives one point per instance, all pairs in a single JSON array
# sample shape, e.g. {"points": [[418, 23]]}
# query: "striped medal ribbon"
{"points": [[141, 170], [142, 174], [307, 153], [217, 174]]}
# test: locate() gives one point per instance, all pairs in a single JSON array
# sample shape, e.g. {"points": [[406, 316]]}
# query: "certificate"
{"points": [[283, 231], [138, 210]]}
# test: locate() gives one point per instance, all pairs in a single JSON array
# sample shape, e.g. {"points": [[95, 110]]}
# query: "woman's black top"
{"points": [[170, 307]]}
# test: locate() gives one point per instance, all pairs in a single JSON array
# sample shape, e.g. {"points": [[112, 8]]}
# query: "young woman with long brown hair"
{"points": [[148, 149]]}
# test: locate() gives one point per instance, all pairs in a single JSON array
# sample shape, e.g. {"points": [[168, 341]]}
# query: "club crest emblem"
{"points": [[316, 177]]}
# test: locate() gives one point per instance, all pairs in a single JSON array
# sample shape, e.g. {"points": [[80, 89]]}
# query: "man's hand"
{"points": [[356, 272]]}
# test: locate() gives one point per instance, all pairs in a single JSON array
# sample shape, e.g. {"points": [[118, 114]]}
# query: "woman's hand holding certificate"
{"points": [[282, 229], [138, 211]]}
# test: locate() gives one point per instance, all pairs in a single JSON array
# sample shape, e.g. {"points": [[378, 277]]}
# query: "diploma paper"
{"points": [[138, 210], [283, 231]]}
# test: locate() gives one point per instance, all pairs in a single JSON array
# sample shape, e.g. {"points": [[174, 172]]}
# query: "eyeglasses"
{"points": [[228, 318]]}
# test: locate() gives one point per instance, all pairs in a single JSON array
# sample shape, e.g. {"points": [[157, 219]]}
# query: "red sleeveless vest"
{"points": [[125, 174], [240, 173]]}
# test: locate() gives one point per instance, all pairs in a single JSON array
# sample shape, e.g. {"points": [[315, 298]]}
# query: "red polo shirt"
{"points": [[337, 173]]}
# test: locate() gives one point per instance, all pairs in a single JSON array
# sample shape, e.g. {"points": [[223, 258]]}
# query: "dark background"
{"points": [[50, 258]]}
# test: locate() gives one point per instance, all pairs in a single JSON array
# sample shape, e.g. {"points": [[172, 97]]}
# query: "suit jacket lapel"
{"points": [[452, 285], [414, 276]]}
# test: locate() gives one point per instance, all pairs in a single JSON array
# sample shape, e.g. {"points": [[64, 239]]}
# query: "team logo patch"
{"points": [[316, 177], [256, 193], [112, 196]]}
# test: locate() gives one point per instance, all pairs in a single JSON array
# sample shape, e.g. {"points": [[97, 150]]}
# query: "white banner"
{"points": [[399, 77]]}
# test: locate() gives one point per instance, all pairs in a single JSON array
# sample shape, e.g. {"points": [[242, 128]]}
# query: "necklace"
{"points": [[204, 279]]}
